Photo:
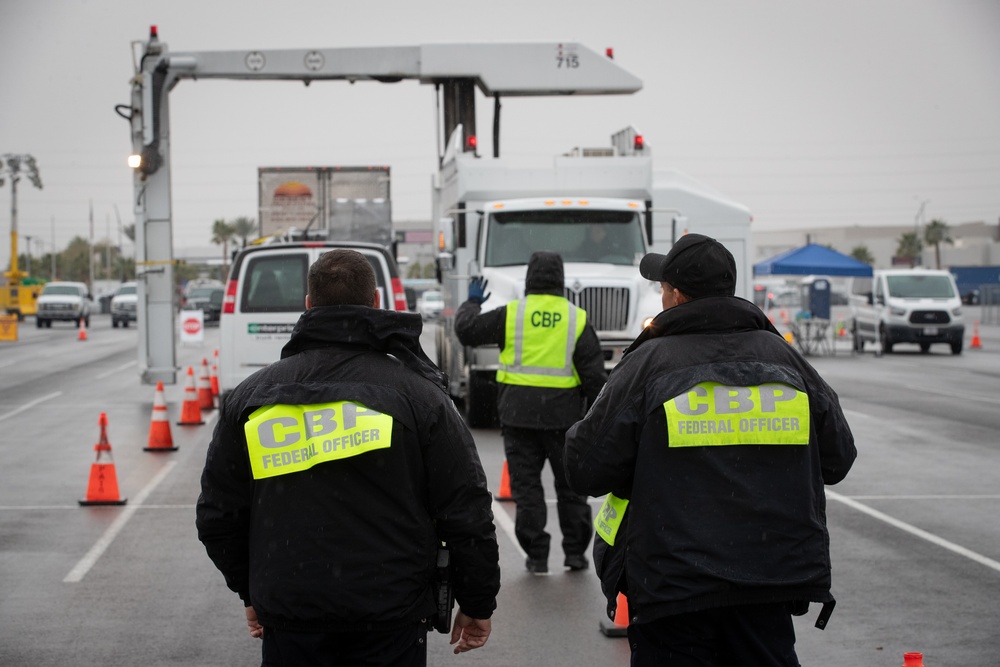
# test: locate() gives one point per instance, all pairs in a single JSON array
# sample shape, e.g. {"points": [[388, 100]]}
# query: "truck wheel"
{"points": [[956, 347], [925, 348], [39, 322], [886, 341], [114, 323], [87, 320], [124, 324], [859, 342], [481, 401]]}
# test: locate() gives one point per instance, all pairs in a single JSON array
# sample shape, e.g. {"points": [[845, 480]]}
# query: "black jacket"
{"points": [[709, 526], [536, 407], [352, 543]]}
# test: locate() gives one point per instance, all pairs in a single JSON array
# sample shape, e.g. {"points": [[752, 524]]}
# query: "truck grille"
{"points": [[929, 317], [607, 307]]}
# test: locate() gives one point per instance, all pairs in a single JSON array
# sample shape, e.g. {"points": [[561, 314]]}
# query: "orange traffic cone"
{"points": [[213, 379], [618, 628], [190, 409], [504, 493], [205, 399], [102, 489], [913, 659], [841, 329], [160, 439], [82, 335], [976, 344]]}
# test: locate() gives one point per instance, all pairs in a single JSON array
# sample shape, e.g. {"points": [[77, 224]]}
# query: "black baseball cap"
{"points": [[697, 265]]}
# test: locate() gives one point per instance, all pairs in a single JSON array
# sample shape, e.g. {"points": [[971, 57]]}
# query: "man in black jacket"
{"points": [[713, 439], [332, 479], [551, 368]]}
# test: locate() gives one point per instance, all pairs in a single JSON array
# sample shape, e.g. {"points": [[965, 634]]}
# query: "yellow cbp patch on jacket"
{"points": [[714, 414], [283, 439], [609, 517]]}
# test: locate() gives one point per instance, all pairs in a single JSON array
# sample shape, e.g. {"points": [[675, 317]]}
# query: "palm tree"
{"points": [[863, 254], [243, 227], [222, 234], [909, 246], [936, 233]]}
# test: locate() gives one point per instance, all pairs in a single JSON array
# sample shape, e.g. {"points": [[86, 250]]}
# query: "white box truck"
{"points": [[600, 209]]}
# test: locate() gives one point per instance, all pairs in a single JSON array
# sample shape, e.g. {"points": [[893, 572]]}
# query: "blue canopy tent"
{"points": [[812, 259], [812, 332]]}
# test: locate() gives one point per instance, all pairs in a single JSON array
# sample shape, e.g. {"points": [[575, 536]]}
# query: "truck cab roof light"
{"points": [[471, 142], [638, 143], [610, 53]]}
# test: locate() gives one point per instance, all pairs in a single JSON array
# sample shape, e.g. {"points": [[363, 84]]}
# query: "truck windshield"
{"points": [[611, 237], [920, 287]]}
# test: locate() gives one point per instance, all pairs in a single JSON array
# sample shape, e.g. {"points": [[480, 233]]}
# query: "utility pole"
{"points": [[53, 255]]}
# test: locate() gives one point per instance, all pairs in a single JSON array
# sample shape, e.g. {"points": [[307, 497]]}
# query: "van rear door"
{"points": [[271, 296]]}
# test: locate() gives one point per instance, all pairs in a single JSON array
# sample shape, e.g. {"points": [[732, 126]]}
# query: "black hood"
{"points": [[545, 274], [386, 331]]}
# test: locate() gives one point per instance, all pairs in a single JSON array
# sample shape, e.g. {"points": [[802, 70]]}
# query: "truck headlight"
{"points": [[957, 312], [898, 312], [646, 322]]}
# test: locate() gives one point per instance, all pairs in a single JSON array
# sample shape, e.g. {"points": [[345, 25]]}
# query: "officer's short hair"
{"points": [[341, 277]]}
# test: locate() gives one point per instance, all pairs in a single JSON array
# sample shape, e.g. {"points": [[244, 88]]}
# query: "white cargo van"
{"points": [[919, 306], [266, 293]]}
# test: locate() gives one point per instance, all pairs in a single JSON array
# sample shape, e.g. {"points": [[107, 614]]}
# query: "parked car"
{"points": [[124, 304], [208, 300], [430, 304], [266, 293], [64, 301]]}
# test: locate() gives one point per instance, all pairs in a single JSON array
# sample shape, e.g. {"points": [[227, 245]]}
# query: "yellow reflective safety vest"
{"points": [[540, 337], [283, 439]]}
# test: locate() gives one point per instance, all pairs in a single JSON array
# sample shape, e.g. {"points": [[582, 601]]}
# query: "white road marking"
{"points": [[116, 370], [29, 405], [507, 526], [913, 530], [80, 570]]}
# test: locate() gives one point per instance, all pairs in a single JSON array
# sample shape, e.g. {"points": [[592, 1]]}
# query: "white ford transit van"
{"points": [[919, 306], [266, 293]]}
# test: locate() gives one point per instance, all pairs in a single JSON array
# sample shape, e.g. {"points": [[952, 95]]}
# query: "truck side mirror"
{"points": [[871, 300], [445, 261]]}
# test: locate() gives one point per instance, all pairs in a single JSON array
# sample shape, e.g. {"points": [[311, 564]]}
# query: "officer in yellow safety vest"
{"points": [[551, 369], [711, 442]]}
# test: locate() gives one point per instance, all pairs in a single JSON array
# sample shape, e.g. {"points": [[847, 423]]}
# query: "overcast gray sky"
{"points": [[811, 114]]}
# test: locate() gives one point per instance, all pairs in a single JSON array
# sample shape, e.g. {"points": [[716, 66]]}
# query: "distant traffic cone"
{"points": [[160, 439], [213, 379], [190, 409], [618, 628], [102, 489], [841, 329], [976, 344], [82, 335], [205, 399], [913, 659], [784, 316], [504, 493]]}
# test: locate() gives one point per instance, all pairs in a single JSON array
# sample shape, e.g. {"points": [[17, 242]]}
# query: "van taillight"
{"points": [[229, 303], [398, 294]]}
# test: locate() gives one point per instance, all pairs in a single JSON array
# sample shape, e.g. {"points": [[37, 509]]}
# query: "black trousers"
{"points": [[405, 647], [749, 635], [527, 449]]}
